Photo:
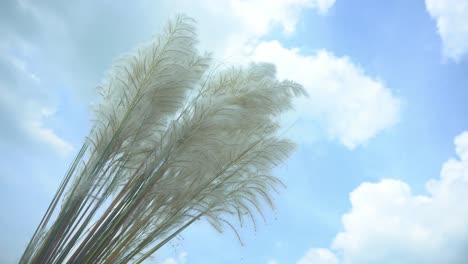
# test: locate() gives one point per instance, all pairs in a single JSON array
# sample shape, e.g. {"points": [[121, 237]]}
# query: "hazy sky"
{"points": [[381, 171]]}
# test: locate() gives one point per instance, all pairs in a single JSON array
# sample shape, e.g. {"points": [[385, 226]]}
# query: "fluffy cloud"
{"points": [[452, 25], [259, 15], [238, 25], [23, 114], [319, 256], [390, 224], [349, 105], [352, 106], [48, 136]]}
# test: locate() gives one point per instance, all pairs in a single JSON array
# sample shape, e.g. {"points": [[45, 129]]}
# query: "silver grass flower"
{"points": [[174, 141]]}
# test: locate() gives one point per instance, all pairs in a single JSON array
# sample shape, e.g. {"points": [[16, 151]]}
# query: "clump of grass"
{"points": [[174, 141]]}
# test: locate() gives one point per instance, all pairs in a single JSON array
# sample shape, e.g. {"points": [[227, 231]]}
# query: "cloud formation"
{"points": [[390, 224], [260, 15], [349, 105], [452, 25], [352, 106], [239, 25], [24, 110]]}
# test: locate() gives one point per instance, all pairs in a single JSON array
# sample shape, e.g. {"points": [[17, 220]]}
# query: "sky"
{"points": [[380, 174]]}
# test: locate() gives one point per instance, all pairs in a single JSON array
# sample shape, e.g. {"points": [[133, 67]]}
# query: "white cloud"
{"points": [[48, 136], [389, 224], [319, 256], [352, 106], [452, 25], [21, 67], [259, 15], [272, 261], [24, 119], [231, 27]]}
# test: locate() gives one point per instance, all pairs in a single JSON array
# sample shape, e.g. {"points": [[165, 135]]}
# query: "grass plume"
{"points": [[174, 141]]}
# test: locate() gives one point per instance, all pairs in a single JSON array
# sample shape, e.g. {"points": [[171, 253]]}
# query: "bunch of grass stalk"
{"points": [[174, 141]]}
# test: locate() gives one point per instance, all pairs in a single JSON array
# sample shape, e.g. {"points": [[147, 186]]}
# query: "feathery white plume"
{"points": [[173, 142]]}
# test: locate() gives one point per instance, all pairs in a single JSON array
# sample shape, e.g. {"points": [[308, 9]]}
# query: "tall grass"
{"points": [[174, 141]]}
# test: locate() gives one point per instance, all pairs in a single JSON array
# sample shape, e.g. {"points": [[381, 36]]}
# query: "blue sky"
{"points": [[381, 169]]}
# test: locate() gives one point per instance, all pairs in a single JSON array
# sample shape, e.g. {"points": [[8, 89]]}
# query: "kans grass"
{"points": [[174, 141]]}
